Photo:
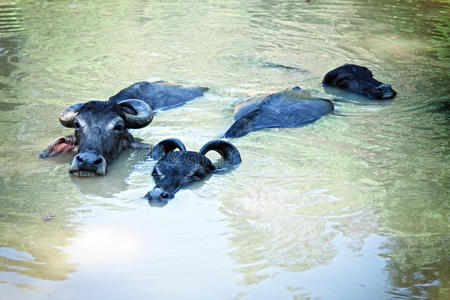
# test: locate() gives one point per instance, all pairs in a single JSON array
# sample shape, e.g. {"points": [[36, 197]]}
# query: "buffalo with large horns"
{"points": [[101, 127], [175, 169]]}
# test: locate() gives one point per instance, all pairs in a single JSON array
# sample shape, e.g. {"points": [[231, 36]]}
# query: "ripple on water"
{"points": [[10, 19]]}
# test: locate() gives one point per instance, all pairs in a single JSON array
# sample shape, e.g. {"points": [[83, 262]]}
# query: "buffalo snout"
{"points": [[158, 194], [88, 163], [384, 91]]}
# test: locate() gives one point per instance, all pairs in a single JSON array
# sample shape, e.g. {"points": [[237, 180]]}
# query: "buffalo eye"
{"points": [[157, 172], [118, 127], [198, 175], [76, 125]]}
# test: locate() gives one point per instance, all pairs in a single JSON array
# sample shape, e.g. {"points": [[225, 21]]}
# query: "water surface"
{"points": [[354, 206]]}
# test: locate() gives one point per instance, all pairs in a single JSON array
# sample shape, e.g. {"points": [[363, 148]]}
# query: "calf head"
{"points": [[175, 169], [360, 80], [100, 133]]}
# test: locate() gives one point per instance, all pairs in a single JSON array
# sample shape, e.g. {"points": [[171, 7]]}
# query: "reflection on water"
{"points": [[354, 206], [31, 244], [108, 186]]}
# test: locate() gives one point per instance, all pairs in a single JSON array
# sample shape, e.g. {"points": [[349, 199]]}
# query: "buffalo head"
{"points": [[100, 133], [359, 80], [175, 169]]}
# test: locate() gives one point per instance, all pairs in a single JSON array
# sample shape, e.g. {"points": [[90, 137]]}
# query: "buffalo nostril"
{"points": [[79, 159], [164, 195], [98, 161]]}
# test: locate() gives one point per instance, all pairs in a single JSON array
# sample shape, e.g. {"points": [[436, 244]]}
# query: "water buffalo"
{"points": [[289, 108], [359, 80], [175, 169], [101, 127]]}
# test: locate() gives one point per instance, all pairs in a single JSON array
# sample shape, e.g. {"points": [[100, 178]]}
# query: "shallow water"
{"points": [[354, 206]]}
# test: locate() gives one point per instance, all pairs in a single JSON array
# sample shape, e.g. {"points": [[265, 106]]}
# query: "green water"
{"points": [[355, 206]]}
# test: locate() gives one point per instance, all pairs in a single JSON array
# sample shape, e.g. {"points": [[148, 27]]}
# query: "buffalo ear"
{"points": [[165, 146], [65, 144]]}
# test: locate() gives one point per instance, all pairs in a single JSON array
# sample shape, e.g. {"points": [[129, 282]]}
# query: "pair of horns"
{"points": [[136, 113], [229, 153]]}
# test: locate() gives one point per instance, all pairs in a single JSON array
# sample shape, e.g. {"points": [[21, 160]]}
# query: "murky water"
{"points": [[355, 206]]}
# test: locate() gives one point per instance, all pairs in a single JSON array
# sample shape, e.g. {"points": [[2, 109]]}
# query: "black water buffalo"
{"points": [[177, 168], [289, 108], [359, 80], [101, 127]]}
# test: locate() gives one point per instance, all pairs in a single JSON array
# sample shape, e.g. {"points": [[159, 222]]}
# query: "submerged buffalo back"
{"points": [[159, 94]]}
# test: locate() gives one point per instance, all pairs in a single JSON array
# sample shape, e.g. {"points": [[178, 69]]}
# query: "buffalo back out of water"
{"points": [[160, 94], [289, 108]]}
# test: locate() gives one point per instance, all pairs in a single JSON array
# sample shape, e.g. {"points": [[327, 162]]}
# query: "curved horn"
{"points": [[165, 146], [67, 116], [229, 152], [140, 116]]}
